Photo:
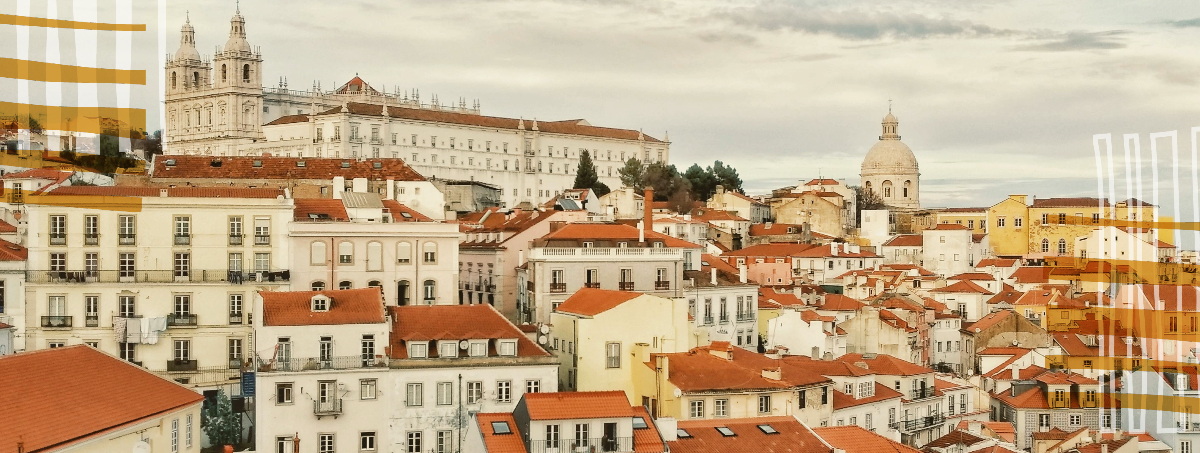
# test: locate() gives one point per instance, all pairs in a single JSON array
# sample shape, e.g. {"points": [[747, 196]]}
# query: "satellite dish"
{"points": [[141, 446], [463, 345], [678, 393], [544, 329], [542, 339]]}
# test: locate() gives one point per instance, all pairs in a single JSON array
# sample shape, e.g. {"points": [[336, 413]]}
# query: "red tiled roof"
{"points": [[709, 261], [972, 276], [1004, 350], [699, 370], [274, 167], [174, 192], [964, 210], [949, 226], [906, 240], [12, 252], [397, 211], [356, 85], [6, 227], [39, 173], [716, 215], [1008, 296], [1077, 202], [838, 302], [1054, 433], [774, 249], [962, 286], [956, 437], [770, 298], [978, 237], [1026, 274], [50, 404], [331, 208], [825, 251], [347, 306], [792, 436], [573, 405], [454, 322], [646, 440], [988, 321], [576, 232], [500, 443], [1104, 445], [886, 364], [882, 393], [859, 440], [779, 229], [998, 262], [567, 127], [288, 119], [822, 182], [593, 301]]}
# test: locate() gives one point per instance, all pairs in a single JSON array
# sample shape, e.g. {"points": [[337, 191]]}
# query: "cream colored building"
{"points": [[174, 279], [890, 169], [745, 207]]}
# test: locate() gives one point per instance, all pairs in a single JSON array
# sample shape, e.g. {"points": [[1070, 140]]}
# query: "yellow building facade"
{"points": [[1018, 226]]}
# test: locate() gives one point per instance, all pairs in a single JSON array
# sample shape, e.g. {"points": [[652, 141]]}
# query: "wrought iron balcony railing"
{"points": [[57, 322]]}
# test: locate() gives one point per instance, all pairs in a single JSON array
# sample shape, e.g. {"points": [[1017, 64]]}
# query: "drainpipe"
{"points": [[461, 415]]}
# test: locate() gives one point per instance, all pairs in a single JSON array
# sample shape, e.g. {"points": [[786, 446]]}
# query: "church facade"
{"points": [[890, 169], [220, 108]]}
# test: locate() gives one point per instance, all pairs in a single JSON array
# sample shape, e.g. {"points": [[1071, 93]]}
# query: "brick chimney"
{"points": [[648, 208]]}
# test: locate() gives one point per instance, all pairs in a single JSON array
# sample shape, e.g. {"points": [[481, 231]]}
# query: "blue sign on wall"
{"points": [[247, 383]]}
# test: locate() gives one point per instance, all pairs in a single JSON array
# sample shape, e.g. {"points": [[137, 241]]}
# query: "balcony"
{"points": [[320, 364], [183, 239], [625, 286], [181, 320], [235, 239], [91, 321], [662, 286], [591, 285], [724, 319], [919, 423], [917, 394], [16, 197], [708, 320], [235, 363], [262, 239], [356, 139], [235, 318], [181, 365], [127, 239], [58, 239], [155, 276], [1058, 404], [331, 407], [91, 239], [572, 445], [1184, 427], [376, 141], [57, 322], [558, 287], [745, 317]]}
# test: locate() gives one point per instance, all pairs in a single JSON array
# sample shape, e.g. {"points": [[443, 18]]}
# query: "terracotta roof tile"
{"points": [[273, 167], [6, 227], [792, 436], [574, 233], [716, 215], [324, 208], [54, 176], [774, 249], [962, 286], [906, 240], [454, 322], [988, 321], [499, 443], [575, 405], [770, 298], [972, 276], [12, 252], [825, 251], [882, 393], [50, 404], [701, 370], [567, 127], [838, 302], [648, 439], [949, 226], [593, 301], [997, 262], [1009, 296], [398, 211], [1077, 202], [886, 365], [348, 306], [173, 192], [956, 437], [288, 119], [856, 439], [965, 210]]}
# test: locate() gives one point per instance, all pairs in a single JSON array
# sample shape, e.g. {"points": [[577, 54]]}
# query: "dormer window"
{"points": [[508, 348], [447, 349], [320, 303], [477, 349], [418, 350]]}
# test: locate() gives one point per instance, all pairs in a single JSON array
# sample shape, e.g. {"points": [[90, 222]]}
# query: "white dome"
{"points": [[237, 35], [187, 43], [889, 157]]}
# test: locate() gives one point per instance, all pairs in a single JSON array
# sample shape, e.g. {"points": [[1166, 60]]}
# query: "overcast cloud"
{"points": [[994, 97]]}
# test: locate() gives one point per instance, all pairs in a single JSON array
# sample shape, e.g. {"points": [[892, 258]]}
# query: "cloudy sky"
{"points": [[994, 97]]}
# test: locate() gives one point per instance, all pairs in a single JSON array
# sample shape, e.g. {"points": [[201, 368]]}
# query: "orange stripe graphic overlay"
{"points": [[10, 19], [112, 121], [51, 72]]}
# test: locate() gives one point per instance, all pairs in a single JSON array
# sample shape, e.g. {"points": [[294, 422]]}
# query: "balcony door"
{"points": [[609, 441], [326, 391]]}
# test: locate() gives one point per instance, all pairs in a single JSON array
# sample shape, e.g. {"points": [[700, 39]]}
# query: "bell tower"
{"points": [[239, 77]]}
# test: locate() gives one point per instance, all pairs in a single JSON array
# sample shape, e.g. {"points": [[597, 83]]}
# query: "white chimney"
{"points": [[742, 273], [641, 226], [339, 186], [1161, 305], [360, 185], [391, 189], [520, 257], [833, 246], [668, 427], [714, 276]]}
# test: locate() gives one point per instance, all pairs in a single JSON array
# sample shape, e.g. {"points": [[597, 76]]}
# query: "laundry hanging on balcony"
{"points": [[133, 331], [119, 328], [152, 327]]}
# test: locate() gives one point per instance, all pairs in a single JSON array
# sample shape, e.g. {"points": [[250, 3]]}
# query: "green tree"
{"points": [[727, 176], [220, 423], [702, 181], [632, 174], [34, 126], [665, 180], [867, 199], [587, 178]]}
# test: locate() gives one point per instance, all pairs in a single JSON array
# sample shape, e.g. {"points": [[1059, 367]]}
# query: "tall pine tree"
{"points": [[587, 178], [632, 174]]}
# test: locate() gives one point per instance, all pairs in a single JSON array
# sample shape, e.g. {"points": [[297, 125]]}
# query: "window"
{"points": [[418, 350], [474, 392], [366, 441], [325, 443], [1017, 221], [235, 308], [416, 394], [1185, 446], [183, 350], [91, 230], [581, 435], [283, 393], [183, 230], [1076, 419], [764, 404], [403, 253], [58, 261], [430, 287], [507, 348], [612, 352], [447, 349], [697, 409], [345, 284], [721, 407], [183, 264], [429, 252], [503, 391], [1045, 245], [235, 353], [803, 399], [533, 386], [345, 252], [444, 441], [367, 389], [477, 349], [1000, 222], [445, 393], [551, 436], [175, 435], [1043, 420], [1062, 246], [58, 230]]}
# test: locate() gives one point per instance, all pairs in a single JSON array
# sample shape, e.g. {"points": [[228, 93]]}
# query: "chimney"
{"points": [[742, 273], [641, 231], [1016, 372], [668, 427], [162, 193], [391, 189], [833, 246], [648, 215], [1161, 305], [339, 186], [774, 375], [1103, 448], [714, 276], [520, 257]]}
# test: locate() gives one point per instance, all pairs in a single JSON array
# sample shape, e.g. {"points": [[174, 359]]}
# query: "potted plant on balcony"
{"points": [[220, 423]]}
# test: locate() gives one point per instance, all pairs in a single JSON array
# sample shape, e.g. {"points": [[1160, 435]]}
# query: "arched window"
{"points": [[868, 186], [887, 189], [403, 253], [374, 284], [1062, 246], [245, 73], [402, 296], [430, 291], [316, 256], [429, 252], [318, 286], [174, 80], [345, 252], [907, 184], [224, 75], [374, 256], [195, 79], [346, 284], [1045, 245]]}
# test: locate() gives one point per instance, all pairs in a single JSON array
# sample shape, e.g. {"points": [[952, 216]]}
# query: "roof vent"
{"points": [[683, 434], [216, 163], [345, 164], [726, 431], [300, 163], [501, 428], [170, 162], [257, 163], [377, 165], [767, 429]]}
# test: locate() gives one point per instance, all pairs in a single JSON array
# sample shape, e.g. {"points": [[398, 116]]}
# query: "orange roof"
{"points": [[454, 322], [964, 210], [972, 276], [774, 249], [838, 302], [356, 85], [886, 364], [646, 440], [822, 182], [1076, 202], [576, 405], [6, 227], [499, 443], [288, 119], [824, 251], [329, 208], [988, 321], [1007, 296], [593, 301], [997, 262], [700, 370], [274, 167], [716, 215], [906, 240], [347, 306], [398, 211], [956, 437], [50, 404], [40, 173], [775, 229], [949, 226], [576, 232], [962, 286], [882, 392], [12, 252], [790, 436], [568, 127], [770, 298], [1027, 274], [856, 439], [174, 192]]}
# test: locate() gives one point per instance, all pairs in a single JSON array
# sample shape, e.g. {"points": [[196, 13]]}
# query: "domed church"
{"points": [[890, 169]]}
